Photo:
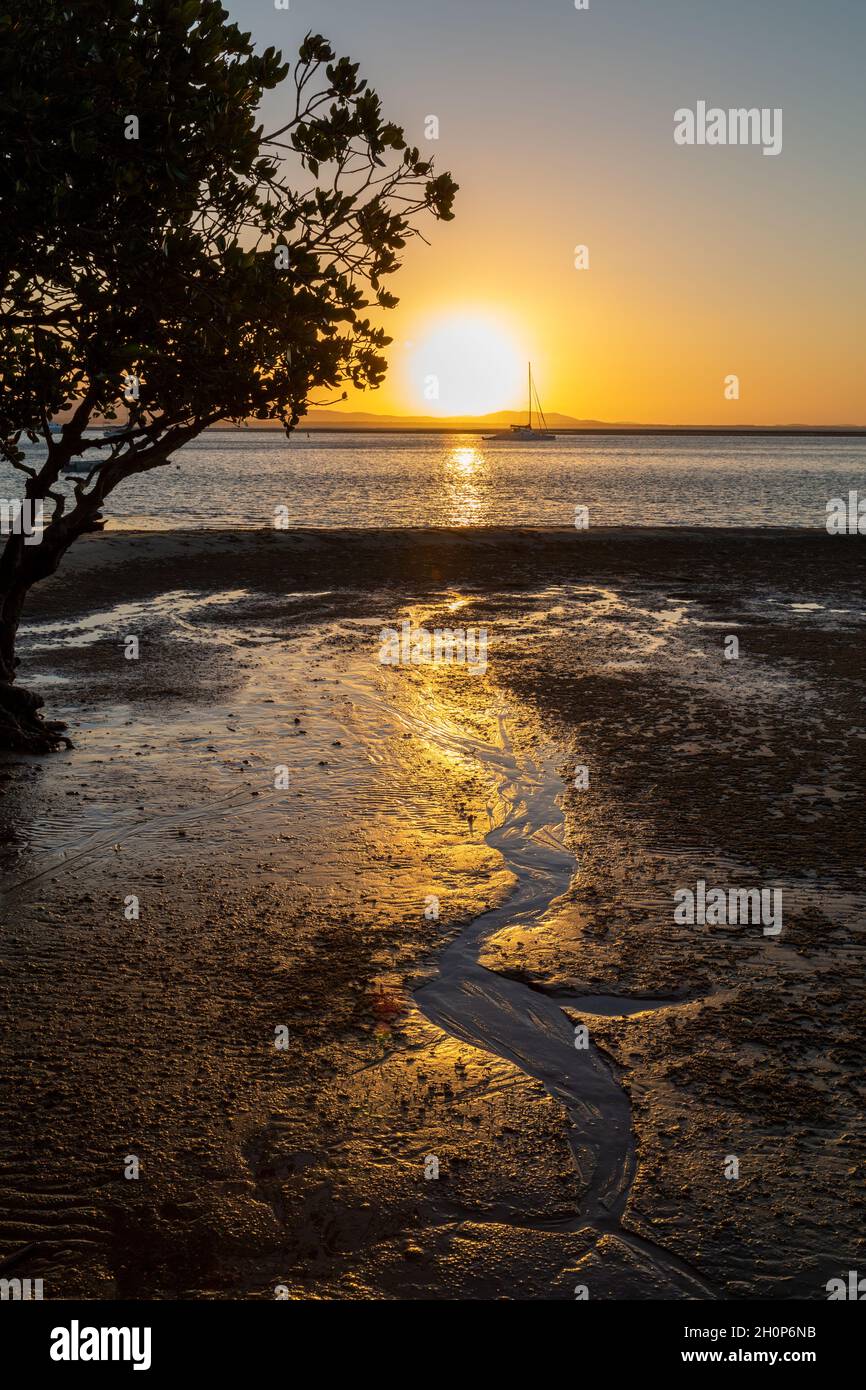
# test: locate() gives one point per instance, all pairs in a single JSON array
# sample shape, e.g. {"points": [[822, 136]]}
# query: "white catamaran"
{"points": [[520, 434]]}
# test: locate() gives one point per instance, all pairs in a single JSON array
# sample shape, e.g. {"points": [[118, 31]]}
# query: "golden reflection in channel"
{"points": [[465, 468]]}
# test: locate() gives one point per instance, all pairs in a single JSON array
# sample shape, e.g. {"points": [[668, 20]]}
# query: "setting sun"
{"points": [[465, 364]]}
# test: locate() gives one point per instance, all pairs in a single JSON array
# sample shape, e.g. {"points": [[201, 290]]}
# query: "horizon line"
{"points": [[458, 426]]}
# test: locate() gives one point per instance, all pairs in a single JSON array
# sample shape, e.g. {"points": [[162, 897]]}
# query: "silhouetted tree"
{"points": [[165, 263]]}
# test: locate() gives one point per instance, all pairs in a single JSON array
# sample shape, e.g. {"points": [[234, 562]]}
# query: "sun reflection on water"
{"points": [[465, 475]]}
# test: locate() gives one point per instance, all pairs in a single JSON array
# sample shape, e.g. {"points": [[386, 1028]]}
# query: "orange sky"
{"points": [[652, 341], [704, 262]]}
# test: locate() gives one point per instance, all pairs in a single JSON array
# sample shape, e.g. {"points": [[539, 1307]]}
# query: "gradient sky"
{"points": [[558, 125]]}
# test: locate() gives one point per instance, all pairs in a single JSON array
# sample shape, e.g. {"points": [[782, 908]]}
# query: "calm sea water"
{"points": [[238, 478]]}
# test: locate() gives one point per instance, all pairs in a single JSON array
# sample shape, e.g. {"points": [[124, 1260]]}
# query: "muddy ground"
{"points": [[170, 913]]}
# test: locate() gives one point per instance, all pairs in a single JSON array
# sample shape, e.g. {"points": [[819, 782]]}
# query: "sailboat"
{"points": [[525, 434]]}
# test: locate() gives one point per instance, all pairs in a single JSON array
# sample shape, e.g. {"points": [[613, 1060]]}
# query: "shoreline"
{"points": [[132, 565]]}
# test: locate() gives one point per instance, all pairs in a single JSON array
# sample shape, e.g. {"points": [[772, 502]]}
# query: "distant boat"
{"points": [[525, 434]]}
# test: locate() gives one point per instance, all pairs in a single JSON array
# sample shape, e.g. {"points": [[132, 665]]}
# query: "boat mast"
{"points": [[529, 366]]}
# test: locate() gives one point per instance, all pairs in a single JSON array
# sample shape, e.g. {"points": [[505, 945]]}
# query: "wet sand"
{"points": [[412, 1037]]}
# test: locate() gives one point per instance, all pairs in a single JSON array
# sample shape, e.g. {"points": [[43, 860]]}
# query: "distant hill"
{"points": [[365, 420], [501, 419]]}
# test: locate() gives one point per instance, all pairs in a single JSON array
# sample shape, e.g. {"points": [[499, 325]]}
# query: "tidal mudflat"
{"points": [[374, 969]]}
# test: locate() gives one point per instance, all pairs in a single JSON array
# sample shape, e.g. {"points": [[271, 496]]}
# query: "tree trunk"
{"points": [[22, 728]]}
